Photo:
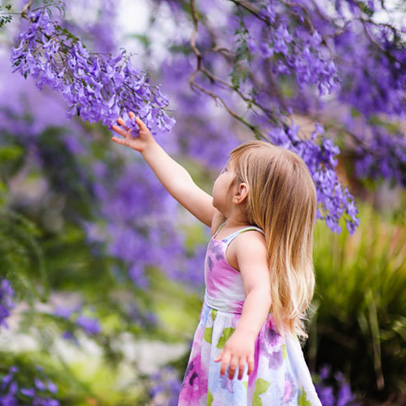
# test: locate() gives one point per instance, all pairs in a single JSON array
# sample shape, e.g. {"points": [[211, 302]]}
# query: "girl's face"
{"points": [[222, 188]]}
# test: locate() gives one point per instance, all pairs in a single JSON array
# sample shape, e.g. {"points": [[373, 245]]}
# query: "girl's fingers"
{"points": [[233, 367], [218, 359], [225, 362], [219, 356], [119, 130], [141, 124], [122, 123], [250, 365], [118, 140], [241, 367]]}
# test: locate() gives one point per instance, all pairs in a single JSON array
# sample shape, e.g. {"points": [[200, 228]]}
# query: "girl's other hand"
{"points": [[138, 143], [237, 352]]}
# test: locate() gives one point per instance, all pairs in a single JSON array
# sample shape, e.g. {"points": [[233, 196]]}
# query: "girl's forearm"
{"points": [[178, 182], [173, 176], [255, 311]]}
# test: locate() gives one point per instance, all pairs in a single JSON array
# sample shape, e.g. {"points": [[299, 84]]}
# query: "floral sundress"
{"points": [[280, 375]]}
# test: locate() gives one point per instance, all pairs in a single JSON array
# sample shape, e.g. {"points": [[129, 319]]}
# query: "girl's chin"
{"points": [[218, 207]]}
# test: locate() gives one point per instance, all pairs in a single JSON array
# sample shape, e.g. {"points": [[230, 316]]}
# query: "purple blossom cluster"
{"points": [[386, 160], [136, 212], [292, 49], [373, 86], [334, 390], [165, 387], [142, 224], [97, 87], [6, 301], [144, 240], [90, 325], [39, 394], [334, 200], [144, 319], [282, 47]]}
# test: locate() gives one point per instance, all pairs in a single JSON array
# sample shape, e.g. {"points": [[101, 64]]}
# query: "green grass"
{"points": [[360, 322]]}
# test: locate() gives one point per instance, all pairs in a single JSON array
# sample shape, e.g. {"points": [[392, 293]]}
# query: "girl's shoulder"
{"points": [[251, 235], [248, 232], [248, 250]]}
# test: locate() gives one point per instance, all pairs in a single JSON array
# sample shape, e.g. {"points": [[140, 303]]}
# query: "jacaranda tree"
{"points": [[229, 71]]}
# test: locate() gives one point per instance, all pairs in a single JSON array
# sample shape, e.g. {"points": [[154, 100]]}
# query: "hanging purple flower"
{"points": [[166, 382], [334, 199], [90, 325], [38, 393], [334, 390], [6, 301], [96, 87]]}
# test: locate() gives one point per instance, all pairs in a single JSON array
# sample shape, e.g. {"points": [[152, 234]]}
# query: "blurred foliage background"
{"points": [[86, 328], [357, 326]]}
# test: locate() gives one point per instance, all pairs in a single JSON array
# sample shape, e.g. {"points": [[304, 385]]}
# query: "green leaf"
{"points": [[22, 257], [209, 398], [226, 335], [284, 352], [303, 399], [261, 387], [208, 333], [364, 7], [6, 17], [10, 153]]}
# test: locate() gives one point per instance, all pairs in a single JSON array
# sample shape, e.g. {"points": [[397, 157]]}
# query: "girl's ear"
{"points": [[241, 193]]}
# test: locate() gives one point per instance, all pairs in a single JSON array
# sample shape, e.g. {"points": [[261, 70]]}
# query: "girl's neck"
{"points": [[235, 221]]}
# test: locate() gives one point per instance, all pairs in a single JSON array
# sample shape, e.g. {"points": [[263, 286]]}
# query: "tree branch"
{"points": [[194, 33], [252, 9], [27, 7], [217, 98]]}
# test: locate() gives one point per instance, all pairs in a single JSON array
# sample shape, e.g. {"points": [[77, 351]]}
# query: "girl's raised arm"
{"points": [[174, 177]]}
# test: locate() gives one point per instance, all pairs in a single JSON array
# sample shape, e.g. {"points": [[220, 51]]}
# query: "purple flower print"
{"points": [[195, 381], [225, 382], [271, 345], [275, 359], [217, 250], [210, 263], [290, 389], [272, 337]]}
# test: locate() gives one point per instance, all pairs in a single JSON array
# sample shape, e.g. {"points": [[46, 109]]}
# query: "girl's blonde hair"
{"points": [[282, 202]]}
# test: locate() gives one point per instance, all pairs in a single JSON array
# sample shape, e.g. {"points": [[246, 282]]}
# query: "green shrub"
{"points": [[359, 324]]}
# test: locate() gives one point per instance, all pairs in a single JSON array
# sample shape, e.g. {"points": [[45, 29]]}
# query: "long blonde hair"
{"points": [[282, 202]]}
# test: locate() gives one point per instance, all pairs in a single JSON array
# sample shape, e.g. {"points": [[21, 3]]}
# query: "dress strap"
{"points": [[221, 226], [231, 237]]}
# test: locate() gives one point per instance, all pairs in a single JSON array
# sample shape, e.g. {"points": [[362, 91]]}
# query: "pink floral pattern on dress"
{"points": [[280, 375]]}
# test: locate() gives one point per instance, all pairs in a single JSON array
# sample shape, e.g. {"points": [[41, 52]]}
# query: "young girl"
{"points": [[258, 273]]}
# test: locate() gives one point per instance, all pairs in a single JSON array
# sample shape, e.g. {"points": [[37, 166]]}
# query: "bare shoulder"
{"points": [[251, 242], [248, 248]]}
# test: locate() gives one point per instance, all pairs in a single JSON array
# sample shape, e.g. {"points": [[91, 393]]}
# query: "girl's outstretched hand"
{"points": [[237, 352], [138, 143]]}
